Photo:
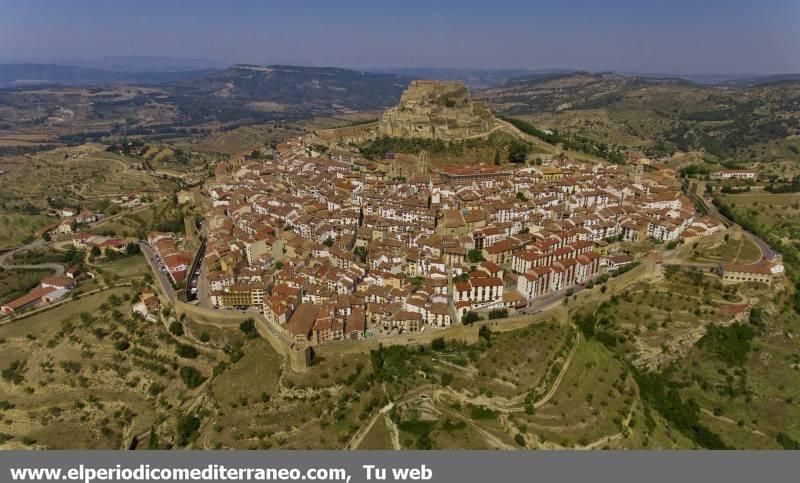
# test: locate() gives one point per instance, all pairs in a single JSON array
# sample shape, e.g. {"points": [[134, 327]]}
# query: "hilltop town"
{"points": [[341, 249], [435, 277]]}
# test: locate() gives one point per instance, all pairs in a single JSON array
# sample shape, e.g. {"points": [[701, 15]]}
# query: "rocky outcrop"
{"points": [[436, 110]]}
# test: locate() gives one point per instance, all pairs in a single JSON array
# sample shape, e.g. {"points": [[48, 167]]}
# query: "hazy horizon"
{"points": [[739, 37]]}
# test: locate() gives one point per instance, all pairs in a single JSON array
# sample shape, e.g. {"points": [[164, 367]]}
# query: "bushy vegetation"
{"points": [[248, 328], [731, 344], [481, 412], [470, 317], [191, 377], [498, 314], [421, 430], [391, 363], [570, 141], [663, 396], [186, 428]]}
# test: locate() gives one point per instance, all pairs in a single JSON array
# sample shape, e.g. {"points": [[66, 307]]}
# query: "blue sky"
{"points": [[678, 36]]}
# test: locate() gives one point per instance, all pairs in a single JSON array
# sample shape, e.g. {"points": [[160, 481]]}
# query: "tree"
{"points": [[485, 333], [517, 152], [328, 242], [191, 377], [497, 157], [475, 255], [498, 314], [186, 428], [470, 317], [438, 344], [186, 351], [122, 345], [95, 251], [447, 378], [132, 248], [176, 328], [248, 328]]}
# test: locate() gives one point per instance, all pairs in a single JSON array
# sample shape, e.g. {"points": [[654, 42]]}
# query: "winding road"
{"points": [[766, 250], [4, 258]]}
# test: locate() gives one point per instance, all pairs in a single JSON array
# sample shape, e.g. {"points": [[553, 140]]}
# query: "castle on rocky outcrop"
{"points": [[436, 110]]}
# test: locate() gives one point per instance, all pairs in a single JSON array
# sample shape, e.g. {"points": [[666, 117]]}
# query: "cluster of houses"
{"points": [[334, 246], [174, 260], [50, 290], [88, 241], [71, 218]]}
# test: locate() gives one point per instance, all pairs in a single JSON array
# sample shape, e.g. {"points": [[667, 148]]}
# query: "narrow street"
{"points": [[162, 277]]}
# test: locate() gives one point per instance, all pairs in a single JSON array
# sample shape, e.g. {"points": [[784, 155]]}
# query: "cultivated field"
{"points": [[85, 176]]}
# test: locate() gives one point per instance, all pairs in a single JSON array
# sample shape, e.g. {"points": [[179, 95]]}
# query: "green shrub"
{"points": [[187, 427], [186, 351], [191, 377], [248, 328], [729, 344], [498, 314], [176, 328]]}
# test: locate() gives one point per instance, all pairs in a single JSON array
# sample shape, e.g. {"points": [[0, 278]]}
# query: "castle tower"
{"points": [[300, 357]]}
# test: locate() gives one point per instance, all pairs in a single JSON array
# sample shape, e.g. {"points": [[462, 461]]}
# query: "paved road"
{"points": [[203, 287], [4, 257], [162, 277], [766, 250]]}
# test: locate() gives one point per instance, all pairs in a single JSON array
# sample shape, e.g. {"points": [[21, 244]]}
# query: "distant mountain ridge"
{"points": [[312, 89], [473, 78], [15, 75], [740, 121]]}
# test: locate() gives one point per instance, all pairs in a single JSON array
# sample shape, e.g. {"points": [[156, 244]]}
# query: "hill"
{"points": [[661, 115], [309, 90], [103, 103], [473, 78]]}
